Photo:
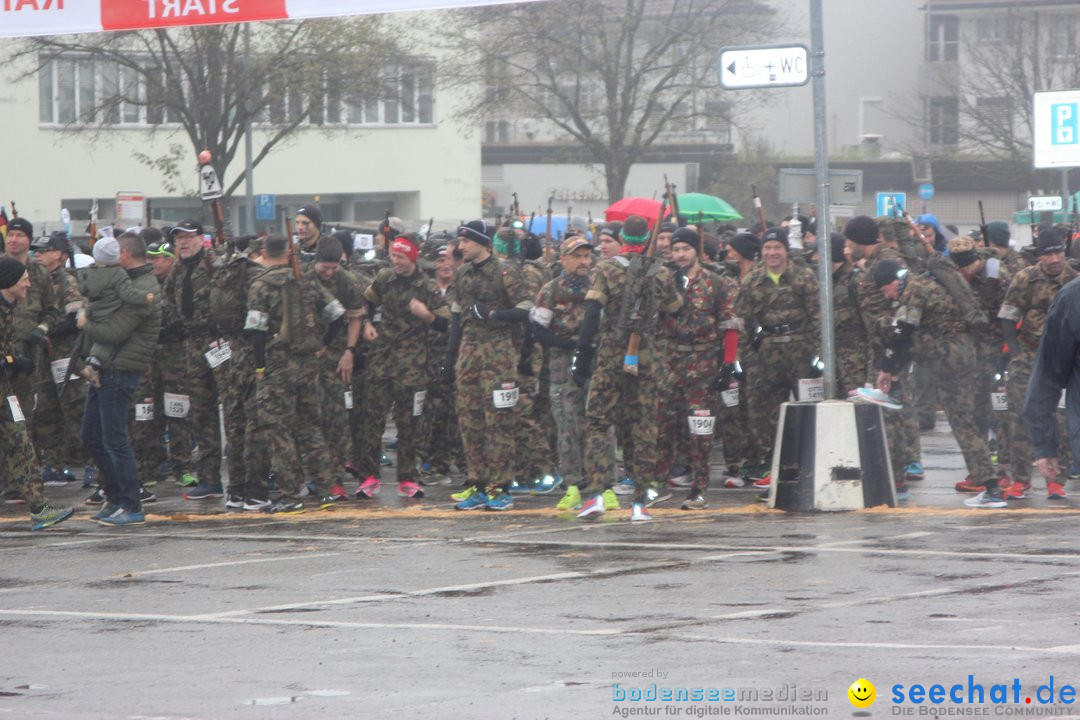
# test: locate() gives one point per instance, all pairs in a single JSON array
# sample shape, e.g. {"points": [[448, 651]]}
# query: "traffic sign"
{"points": [[764, 66], [1045, 203], [889, 203], [926, 191], [130, 207], [265, 205], [799, 185], [209, 186], [1056, 129]]}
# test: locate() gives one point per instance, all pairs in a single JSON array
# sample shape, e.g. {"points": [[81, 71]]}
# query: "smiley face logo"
{"points": [[862, 693]]}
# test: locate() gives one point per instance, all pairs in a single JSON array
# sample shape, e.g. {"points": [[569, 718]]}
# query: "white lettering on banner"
{"points": [[348, 399], [177, 405], [999, 401], [701, 424], [219, 353], [730, 397], [418, 402], [144, 411], [16, 409], [811, 389], [183, 8], [506, 397]]}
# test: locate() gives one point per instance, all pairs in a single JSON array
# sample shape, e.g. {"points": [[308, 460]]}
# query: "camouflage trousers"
{"points": [[772, 375], [335, 416], [924, 396], [534, 454], [380, 394], [440, 435], [57, 427], [284, 429], [167, 373], [851, 365], [690, 406], [739, 448], [237, 391], [145, 427], [630, 403], [19, 467], [202, 423], [489, 433], [1016, 433], [568, 412], [952, 363]]}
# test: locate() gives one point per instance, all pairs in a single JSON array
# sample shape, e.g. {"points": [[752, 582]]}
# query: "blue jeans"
{"points": [[105, 434]]}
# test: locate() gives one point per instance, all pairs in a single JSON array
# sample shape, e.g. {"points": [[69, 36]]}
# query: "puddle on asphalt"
{"points": [[275, 700]]}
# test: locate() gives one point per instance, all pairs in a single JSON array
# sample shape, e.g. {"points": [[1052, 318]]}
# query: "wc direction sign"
{"points": [[1056, 129], [764, 66]]}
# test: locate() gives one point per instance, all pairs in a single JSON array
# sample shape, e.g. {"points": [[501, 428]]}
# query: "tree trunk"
{"points": [[616, 173]]}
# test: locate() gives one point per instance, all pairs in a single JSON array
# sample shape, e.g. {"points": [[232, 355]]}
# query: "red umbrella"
{"points": [[622, 209]]}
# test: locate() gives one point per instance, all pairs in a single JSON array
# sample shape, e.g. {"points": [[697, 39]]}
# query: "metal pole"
{"points": [[249, 179], [821, 166], [1067, 204]]}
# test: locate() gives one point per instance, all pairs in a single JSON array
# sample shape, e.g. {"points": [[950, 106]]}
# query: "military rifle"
{"points": [[983, 227], [673, 203], [549, 251], [633, 343], [14, 212], [73, 362], [760, 210]]}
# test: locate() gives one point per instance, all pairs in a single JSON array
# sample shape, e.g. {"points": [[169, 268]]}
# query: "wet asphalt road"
{"points": [[410, 610]]}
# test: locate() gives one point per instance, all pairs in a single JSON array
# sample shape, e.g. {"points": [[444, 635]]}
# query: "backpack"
{"points": [[228, 295], [945, 272]]}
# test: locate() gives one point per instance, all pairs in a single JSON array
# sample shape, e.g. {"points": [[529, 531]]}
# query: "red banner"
{"points": [[138, 14]]}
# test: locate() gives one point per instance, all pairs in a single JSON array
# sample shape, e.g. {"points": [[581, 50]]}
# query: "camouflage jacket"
{"points": [[42, 305], [66, 288], [348, 290], [285, 310], [492, 282], [560, 308], [198, 324], [792, 303], [1027, 301], [707, 311], [849, 328], [938, 321], [402, 348], [1011, 260], [875, 309], [990, 292]]}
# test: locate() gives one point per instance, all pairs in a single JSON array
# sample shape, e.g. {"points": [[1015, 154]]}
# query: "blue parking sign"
{"points": [[1064, 123], [264, 207], [889, 204]]}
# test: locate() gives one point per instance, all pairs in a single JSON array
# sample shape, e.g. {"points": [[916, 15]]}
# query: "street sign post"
{"points": [[209, 186], [926, 191], [130, 208], [1056, 129], [1045, 203], [764, 66], [265, 207], [799, 185], [889, 202]]}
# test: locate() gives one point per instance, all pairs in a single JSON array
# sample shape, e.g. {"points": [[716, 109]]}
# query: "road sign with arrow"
{"points": [[764, 66]]}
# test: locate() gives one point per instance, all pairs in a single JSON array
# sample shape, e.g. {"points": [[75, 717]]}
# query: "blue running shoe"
{"points": [[123, 519], [914, 471], [475, 501], [49, 516], [547, 484], [626, 486], [500, 501]]}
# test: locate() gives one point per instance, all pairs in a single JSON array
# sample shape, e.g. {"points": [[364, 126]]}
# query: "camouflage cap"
{"points": [[963, 251], [892, 228], [257, 244]]}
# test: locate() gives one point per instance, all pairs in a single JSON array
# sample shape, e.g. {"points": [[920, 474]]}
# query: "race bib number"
{"points": [[701, 424], [811, 390], [506, 396], [348, 399], [219, 353], [177, 405], [730, 397], [144, 411], [999, 401], [58, 368], [418, 402], [16, 409]]}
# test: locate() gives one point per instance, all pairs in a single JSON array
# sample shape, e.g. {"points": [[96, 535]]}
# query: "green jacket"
{"points": [[128, 339]]}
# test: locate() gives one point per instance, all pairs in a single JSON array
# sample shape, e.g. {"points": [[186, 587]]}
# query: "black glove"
{"points": [[1003, 363], [817, 367], [724, 378], [581, 364], [480, 311], [446, 370], [737, 371], [757, 338], [35, 336], [23, 364], [524, 367], [681, 281]]}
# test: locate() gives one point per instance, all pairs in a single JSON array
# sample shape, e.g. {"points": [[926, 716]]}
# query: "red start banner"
{"points": [[26, 18]]}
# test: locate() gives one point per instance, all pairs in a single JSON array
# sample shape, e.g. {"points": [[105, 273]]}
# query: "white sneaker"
{"points": [[594, 508], [734, 481], [625, 486], [638, 513], [681, 481], [987, 501]]}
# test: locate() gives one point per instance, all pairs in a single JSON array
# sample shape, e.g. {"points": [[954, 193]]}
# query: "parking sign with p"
{"points": [[1057, 129]]}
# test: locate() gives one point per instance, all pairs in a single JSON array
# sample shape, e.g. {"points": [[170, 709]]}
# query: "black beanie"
{"points": [[746, 245], [312, 212], [328, 249], [775, 234], [862, 230], [688, 236], [998, 233], [668, 227], [21, 223], [1049, 241], [836, 247], [476, 231], [11, 271], [886, 271]]}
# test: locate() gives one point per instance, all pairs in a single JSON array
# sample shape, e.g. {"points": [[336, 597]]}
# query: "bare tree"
{"points": [[202, 80], [609, 75]]}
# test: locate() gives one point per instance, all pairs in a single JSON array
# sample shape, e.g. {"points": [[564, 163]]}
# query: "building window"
{"points": [[994, 112], [943, 121], [992, 29], [943, 44], [1062, 38]]}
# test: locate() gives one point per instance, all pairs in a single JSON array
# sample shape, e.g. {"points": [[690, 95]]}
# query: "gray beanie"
{"points": [[107, 251]]}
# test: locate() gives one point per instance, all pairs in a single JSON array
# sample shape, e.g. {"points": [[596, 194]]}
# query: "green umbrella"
{"points": [[706, 207]]}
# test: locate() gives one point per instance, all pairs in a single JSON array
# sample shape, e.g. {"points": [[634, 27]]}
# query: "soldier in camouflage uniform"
{"points": [[488, 303], [998, 235], [626, 295], [740, 453], [35, 316], [59, 420], [19, 467], [283, 430], [192, 399], [866, 246], [308, 228], [850, 341], [696, 342], [1026, 302], [337, 364], [440, 434], [778, 305], [556, 317], [409, 305], [929, 326]]}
